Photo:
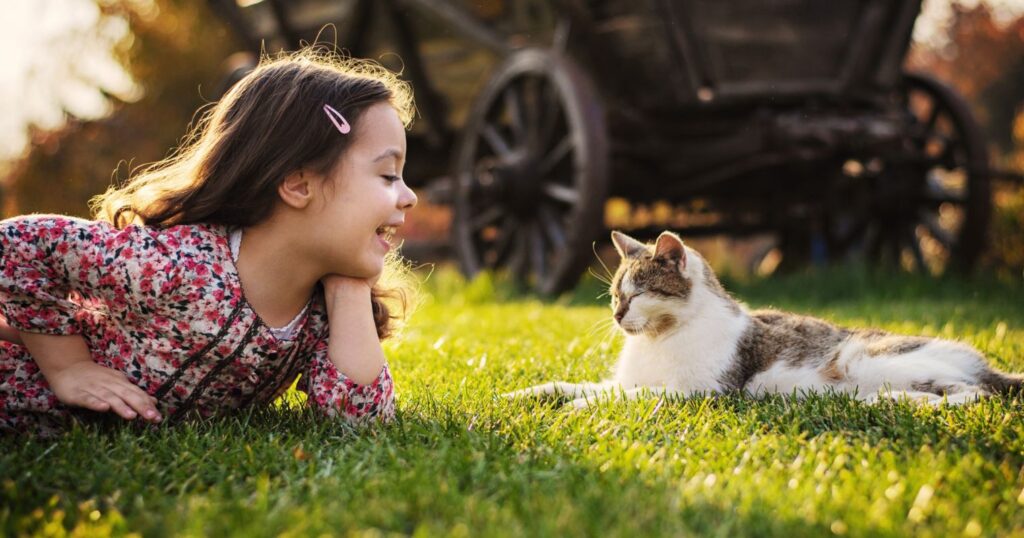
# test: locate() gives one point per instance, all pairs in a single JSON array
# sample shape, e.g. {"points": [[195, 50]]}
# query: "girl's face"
{"points": [[364, 197]]}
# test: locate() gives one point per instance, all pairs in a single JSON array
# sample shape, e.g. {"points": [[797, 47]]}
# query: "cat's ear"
{"points": [[627, 246], [669, 245]]}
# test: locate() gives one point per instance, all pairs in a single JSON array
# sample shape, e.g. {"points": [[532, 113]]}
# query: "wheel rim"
{"points": [[946, 229], [927, 211], [530, 173]]}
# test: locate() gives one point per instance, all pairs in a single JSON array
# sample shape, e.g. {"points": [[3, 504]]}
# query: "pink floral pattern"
{"points": [[165, 307]]}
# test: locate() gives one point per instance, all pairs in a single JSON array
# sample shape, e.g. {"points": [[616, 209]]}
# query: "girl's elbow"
{"points": [[359, 403]]}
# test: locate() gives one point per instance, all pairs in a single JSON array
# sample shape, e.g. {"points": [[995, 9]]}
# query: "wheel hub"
{"points": [[518, 182]]}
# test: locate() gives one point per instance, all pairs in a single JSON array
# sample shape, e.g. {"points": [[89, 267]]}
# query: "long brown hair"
{"points": [[270, 123]]}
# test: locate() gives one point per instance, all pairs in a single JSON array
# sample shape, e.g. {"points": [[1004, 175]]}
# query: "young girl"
{"points": [[214, 278]]}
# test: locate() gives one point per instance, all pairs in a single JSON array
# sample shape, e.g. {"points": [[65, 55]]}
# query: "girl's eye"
{"points": [[391, 179]]}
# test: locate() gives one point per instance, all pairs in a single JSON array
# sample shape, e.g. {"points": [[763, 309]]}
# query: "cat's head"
{"points": [[653, 284]]}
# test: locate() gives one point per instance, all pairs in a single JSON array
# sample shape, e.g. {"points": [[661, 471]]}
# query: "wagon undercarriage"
{"points": [[792, 118]]}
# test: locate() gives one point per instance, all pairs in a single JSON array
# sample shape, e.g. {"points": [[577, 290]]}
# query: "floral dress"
{"points": [[165, 307]]}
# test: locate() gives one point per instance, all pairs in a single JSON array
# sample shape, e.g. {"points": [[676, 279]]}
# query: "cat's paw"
{"points": [[582, 403], [913, 397], [556, 389], [536, 391], [516, 394]]}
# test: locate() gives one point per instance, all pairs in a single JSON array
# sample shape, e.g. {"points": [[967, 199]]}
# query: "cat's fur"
{"points": [[686, 335]]}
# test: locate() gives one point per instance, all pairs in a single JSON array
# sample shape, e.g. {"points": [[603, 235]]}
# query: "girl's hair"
{"points": [[269, 124]]}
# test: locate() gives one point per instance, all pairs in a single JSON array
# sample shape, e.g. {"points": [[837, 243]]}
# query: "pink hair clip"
{"points": [[337, 119]]}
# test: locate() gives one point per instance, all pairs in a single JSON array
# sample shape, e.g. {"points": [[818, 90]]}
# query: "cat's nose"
{"points": [[619, 314]]}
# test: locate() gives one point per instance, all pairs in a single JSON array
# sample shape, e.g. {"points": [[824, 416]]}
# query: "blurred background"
{"points": [[771, 135]]}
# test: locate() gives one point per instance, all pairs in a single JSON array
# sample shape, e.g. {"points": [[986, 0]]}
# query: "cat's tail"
{"points": [[1004, 383]]}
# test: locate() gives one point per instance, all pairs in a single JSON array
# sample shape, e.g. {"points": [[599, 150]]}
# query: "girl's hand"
{"points": [[8, 333], [338, 284], [89, 385], [353, 345]]}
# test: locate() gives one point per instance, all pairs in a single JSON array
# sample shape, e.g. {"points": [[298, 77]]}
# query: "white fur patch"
{"points": [[939, 363], [691, 358]]}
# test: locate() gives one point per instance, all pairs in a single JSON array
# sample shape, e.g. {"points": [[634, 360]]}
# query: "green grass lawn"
{"points": [[458, 461]]}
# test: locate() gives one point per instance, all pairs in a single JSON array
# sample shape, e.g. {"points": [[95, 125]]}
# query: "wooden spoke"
{"points": [[503, 242], [561, 193], [537, 254], [513, 104], [948, 156], [487, 217], [495, 140], [550, 112], [555, 156], [552, 227], [520, 258], [534, 115], [933, 116]]}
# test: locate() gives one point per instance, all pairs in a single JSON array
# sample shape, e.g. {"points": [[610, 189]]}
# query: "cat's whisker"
{"points": [[600, 325], [599, 276], [606, 332], [611, 332], [608, 272]]}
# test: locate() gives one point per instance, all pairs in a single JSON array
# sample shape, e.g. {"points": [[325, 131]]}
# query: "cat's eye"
{"points": [[616, 300]]}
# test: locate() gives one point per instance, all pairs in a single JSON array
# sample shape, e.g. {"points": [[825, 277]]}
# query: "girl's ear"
{"points": [[296, 190], [627, 246]]}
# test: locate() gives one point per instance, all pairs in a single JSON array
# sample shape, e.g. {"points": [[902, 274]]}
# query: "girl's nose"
{"points": [[408, 198]]}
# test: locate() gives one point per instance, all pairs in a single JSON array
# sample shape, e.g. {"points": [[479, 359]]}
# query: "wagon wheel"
{"points": [[531, 170], [929, 209]]}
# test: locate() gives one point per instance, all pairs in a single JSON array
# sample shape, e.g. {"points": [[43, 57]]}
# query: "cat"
{"points": [[686, 335]]}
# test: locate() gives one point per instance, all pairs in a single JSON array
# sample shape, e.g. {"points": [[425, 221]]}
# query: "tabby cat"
{"points": [[686, 335]]}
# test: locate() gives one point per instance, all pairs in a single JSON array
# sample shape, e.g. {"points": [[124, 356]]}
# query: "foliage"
{"points": [[984, 61], [174, 51], [460, 461]]}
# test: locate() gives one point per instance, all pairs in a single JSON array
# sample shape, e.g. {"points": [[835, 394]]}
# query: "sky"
{"points": [[58, 58]]}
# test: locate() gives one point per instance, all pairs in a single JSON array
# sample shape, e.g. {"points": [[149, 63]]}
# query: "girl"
{"points": [[213, 278]]}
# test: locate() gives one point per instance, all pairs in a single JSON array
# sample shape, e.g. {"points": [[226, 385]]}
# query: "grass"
{"points": [[458, 461]]}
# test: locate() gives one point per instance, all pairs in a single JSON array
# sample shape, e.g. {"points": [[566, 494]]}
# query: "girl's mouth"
{"points": [[385, 233]]}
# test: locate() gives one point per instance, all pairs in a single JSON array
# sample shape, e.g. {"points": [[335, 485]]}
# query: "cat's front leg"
{"points": [[559, 389], [608, 395], [631, 394]]}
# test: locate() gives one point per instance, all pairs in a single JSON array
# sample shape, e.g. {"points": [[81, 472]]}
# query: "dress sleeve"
{"points": [[45, 260], [334, 394]]}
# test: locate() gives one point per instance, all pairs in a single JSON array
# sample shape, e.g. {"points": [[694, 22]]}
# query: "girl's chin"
{"points": [[383, 244], [373, 268]]}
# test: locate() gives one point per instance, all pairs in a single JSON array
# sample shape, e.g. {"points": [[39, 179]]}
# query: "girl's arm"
{"points": [[8, 333], [44, 259], [347, 375], [76, 380], [353, 345]]}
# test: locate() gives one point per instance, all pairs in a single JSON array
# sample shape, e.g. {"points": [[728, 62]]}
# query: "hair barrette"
{"points": [[337, 119]]}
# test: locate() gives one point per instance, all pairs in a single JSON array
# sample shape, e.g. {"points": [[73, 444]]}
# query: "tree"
{"points": [[175, 50]]}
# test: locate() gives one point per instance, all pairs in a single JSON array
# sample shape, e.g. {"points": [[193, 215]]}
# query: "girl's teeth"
{"points": [[386, 232]]}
